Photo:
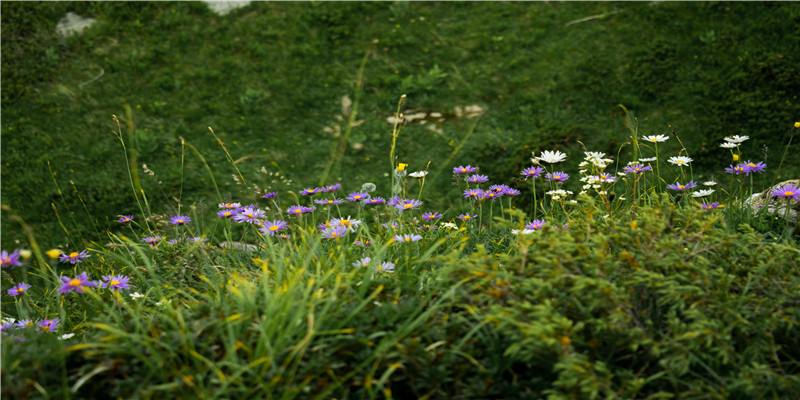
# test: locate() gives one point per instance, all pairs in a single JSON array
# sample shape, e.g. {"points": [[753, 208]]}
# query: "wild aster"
{"points": [[680, 160], [418, 174], [6, 326], [464, 170], [7, 260], [753, 167], [703, 193], [510, 192], [557, 176], [637, 168], [728, 145], [656, 138], [427, 226], [295, 210], [273, 227], [551, 157], [375, 200], [473, 193], [786, 191], [172, 241], [605, 178], [357, 196], [347, 223], [393, 226], [532, 172], [249, 214], [710, 206], [117, 282], [736, 169], [408, 204], [678, 186], [152, 240], [19, 289], [310, 191], [431, 215], [492, 195], [736, 139], [362, 262], [497, 188], [269, 195], [466, 217], [180, 220], [76, 284], [407, 238], [227, 213], [335, 233], [230, 206], [385, 267], [331, 188], [48, 325], [74, 257], [328, 202], [362, 243], [125, 219], [478, 178], [25, 323], [394, 201], [536, 224]]}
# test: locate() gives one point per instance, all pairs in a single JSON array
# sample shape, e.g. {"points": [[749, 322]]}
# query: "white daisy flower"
{"points": [[593, 154], [703, 193], [418, 174], [680, 160], [136, 295], [551, 157], [737, 139], [650, 159], [656, 138], [522, 232], [66, 336], [710, 183], [728, 145], [450, 225]]}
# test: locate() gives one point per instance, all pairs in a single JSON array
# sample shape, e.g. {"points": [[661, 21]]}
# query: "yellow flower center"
{"points": [[407, 239], [274, 227], [228, 213], [179, 220], [467, 217], [29, 323], [356, 197], [680, 187], [75, 282], [298, 211], [6, 260], [73, 254], [113, 283], [408, 205], [788, 193], [20, 290], [344, 222], [556, 176], [250, 215], [46, 328]]}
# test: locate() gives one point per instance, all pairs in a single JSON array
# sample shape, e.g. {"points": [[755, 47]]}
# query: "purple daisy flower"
{"points": [[331, 187], [408, 204], [393, 226], [536, 224], [76, 284], [498, 188], [172, 241], [273, 227], [335, 233], [492, 195], [679, 187], [227, 213], [736, 169], [786, 191], [230, 206], [532, 172], [605, 178], [153, 240], [510, 192], [362, 262], [375, 200], [427, 226], [362, 243], [407, 238], [557, 176], [477, 178], [19, 289], [48, 325], [328, 202], [269, 195], [7, 326], [473, 193], [125, 219], [310, 191], [754, 167], [466, 217], [464, 170], [117, 282], [297, 210], [249, 214], [710, 206], [637, 168], [74, 257], [25, 323], [348, 223], [180, 220], [385, 267], [357, 196], [431, 215], [7, 260]]}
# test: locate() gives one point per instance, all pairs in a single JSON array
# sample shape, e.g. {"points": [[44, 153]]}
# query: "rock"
{"points": [[776, 205], [73, 23], [224, 7]]}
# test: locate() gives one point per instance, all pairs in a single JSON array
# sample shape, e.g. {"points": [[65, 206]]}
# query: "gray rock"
{"points": [[776, 205]]}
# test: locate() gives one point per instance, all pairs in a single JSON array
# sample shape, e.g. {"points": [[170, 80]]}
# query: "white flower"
{"points": [[522, 232], [736, 139], [136, 295], [703, 193], [680, 160], [709, 183], [450, 225], [7, 320], [656, 138], [418, 174], [641, 160], [593, 154], [163, 303], [728, 145], [66, 336], [551, 157]]}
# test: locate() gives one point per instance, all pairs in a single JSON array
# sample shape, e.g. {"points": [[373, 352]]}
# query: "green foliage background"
{"points": [[269, 77]]}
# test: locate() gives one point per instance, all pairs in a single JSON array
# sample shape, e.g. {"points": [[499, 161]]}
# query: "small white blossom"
{"points": [[522, 232], [418, 174], [450, 225], [649, 159], [710, 183], [66, 336], [680, 160], [551, 157], [737, 139], [656, 138], [728, 145], [703, 193], [136, 295]]}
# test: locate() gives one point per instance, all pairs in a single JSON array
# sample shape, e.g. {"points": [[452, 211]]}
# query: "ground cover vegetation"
{"points": [[298, 232]]}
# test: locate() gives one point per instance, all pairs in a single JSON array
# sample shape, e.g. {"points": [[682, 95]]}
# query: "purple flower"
{"points": [[492, 195], [117, 282], [335, 233], [153, 240], [431, 215], [754, 167], [478, 178], [19, 289], [7, 260], [385, 267], [269, 195], [328, 202], [393, 226], [786, 191], [637, 168], [474, 193], [125, 219], [736, 169], [532, 172], [375, 200], [557, 176], [227, 213], [357, 196], [679, 187], [464, 170], [77, 284], [172, 241], [427, 226], [394, 201], [362, 243], [48, 325], [408, 204], [499, 188], [605, 178], [297, 210], [407, 238], [272, 227], [249, 214], [466, 217], [180, 220], [362, 262], [710, 206], [348, 223], [230, 206], [510, 192], [7, 326], [25, 323], [310, 191], [74, 257], [536, 224], [331, 187]]}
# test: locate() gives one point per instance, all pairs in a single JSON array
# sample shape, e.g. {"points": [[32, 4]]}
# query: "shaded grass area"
{"points": [[269, 78]]}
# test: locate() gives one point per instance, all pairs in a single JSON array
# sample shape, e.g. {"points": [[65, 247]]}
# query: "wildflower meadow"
{"points": [[608, 279]]}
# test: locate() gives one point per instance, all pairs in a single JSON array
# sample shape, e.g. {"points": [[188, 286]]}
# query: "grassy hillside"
{"points": [[269, 79]]}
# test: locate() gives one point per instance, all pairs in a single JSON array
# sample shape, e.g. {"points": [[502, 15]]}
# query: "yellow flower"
{"points": [[53, 253], [735, 157], [797, 124], [401, 167]]}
